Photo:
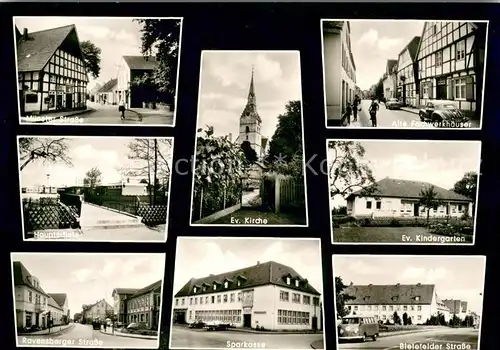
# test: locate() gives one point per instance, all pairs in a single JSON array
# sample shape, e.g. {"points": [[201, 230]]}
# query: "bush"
{"points": [[395, 223]]}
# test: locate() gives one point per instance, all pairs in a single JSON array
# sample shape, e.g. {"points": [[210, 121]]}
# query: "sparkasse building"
{"points": [[267, 295]]}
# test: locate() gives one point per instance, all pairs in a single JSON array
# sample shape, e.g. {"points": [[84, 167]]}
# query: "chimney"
{"points": [[258, 262], [25, 34], [211, 275], [398, 284], [419, 284]]}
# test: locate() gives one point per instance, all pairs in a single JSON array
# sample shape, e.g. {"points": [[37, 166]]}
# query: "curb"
{"points": [[409, 110], [136, 113], [51, 333], [89, 110], [392, 334], [114, 210], [270, 333], [117, 334], [316, 345]]}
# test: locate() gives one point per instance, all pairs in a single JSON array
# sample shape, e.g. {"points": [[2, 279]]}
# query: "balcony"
{"points": [[39, 307]]}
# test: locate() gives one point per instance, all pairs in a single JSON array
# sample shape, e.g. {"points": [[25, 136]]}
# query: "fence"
{"points": [[73, 201], [283, 194], [48, 214], [214, 198]]}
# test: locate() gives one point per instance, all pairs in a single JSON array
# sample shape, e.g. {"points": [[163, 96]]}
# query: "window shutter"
{"points": [[449, 84], [469, 88]]}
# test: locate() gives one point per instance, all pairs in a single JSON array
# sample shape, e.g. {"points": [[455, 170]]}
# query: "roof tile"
{"points": [[398, 294]]}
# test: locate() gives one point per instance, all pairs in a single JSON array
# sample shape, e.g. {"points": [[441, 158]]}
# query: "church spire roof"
{"points": [[251, 106]]}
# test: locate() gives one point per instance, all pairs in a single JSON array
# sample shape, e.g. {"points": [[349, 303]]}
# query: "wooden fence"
{"points": [[215, 198], [283, 194]]}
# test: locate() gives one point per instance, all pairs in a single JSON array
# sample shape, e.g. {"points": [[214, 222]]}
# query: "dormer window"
{"points": [[296, 283], [195, 289], [288, 280], [417, 298], [239, 283], [226, 284], [215, 286]]}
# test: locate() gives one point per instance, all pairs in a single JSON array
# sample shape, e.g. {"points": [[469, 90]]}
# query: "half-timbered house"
{"points": [[451, 58], [407, 76], [51, 70]]}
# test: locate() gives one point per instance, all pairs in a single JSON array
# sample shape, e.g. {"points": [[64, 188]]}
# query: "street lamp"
{"points": [[48, 181]]}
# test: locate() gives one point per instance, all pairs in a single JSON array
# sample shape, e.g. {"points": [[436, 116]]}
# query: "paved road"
{"points": [[92, 214], [441, 338], [386, 118], [185, 338], [248, 197], [108, 114], [84, 335]]}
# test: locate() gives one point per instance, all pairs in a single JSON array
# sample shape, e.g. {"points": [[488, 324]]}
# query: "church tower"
{"points": [[250, 122]]}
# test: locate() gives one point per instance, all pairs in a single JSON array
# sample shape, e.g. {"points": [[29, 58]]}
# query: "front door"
{"points": [[69, 101], [59, 102], [247, 321], [21, 101], [416, 209], [315, 323]]}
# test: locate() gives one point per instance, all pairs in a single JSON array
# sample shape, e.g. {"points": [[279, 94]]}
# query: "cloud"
{"points": [[369, 37], [88, 151], [82, 275], [362, 268], [109, 268], [389, 43], [422, 275], [223, 101]]}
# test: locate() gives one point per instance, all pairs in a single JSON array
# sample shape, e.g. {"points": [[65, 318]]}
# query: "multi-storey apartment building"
{"points": [[339, 69], [451, 58], [389, 79], [56, 312], [267, 295], [144, 306], [99, 310], [407, 74], [51, 70], [61, 300], [120, 296], [457, 307], [31, 299], [418, 301]]}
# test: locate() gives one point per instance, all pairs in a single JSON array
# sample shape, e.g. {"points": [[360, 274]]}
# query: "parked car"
{"points": [[197, 324], [393, 103], [96, 324], [441, 111], [216, 326], [358, 328], [133, 325]]}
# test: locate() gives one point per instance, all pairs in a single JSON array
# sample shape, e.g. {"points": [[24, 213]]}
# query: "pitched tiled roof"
{"points": [[411, 189], [59, 298], [21, 277], [51, 302], [34, 53], [413, 47], [108, 87], [140, 62], [257, 275], [398, 294], [88, 306], [147, 289], [125, 291], [391, 64]]}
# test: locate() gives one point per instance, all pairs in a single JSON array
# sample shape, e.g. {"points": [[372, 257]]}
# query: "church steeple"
{"points": [[251, 106]]}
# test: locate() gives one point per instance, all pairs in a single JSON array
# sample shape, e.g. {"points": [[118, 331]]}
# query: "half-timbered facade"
{"points": [[451, 63], [407, 75], [51, 71], [389, 79]]}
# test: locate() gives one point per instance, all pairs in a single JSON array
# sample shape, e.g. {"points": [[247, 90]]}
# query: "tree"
{"points": [[379, 89], [409, 321], [91, 57], [92, 178], [46, 149], [405, 318], [467, 186], [285, 148], [250, 153], [341, 297], [160, 38], [429, 200], [346, 171], [396, 318]]}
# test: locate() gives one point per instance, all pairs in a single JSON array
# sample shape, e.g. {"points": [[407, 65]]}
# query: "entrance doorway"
{"points": [[69, 101], [314, 323], [247, 321], [416, 209], [59, 102], [441, 89], [21, 101]]}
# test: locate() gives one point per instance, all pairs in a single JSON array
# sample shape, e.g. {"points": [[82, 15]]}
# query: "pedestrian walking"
{"points": [[105, 325], [355, 108], [374, 106], [121, 109], [346, 118]]}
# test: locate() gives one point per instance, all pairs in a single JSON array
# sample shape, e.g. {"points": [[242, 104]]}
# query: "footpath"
{"points": [[247, 330], [48, 117], [118, 333], [56, 330]]}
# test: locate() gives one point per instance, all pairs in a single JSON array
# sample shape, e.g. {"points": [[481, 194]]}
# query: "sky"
{"points": [[439, 163], [200, 257], [116, 37], [375, 42], [87, 278], [225, 82], [108, 154], [455, 277]]}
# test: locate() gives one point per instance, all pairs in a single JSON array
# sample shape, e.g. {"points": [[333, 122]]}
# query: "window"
{"points": [[405, 308], [195, 301], [195, 289], [419, 317], [284, 296], [368, 308], [225, 298], [295, 298], [439, 58], [306, 299], [30, 297], [190, 301], [226, 284], [176, 302], [368, 205], [247, 129], [316, 301], [293, 317], [206, 300], [31, 98], [215, 286], [239, 283], [391, 308], [460, 50], [218, 299], [419, 308], [288, 280], [213, 299], [232, 297], [379, 205], [201, 300], [460, 88], [183, 301], [434, 29], [384, 308], [412, 308], [296, 283]]}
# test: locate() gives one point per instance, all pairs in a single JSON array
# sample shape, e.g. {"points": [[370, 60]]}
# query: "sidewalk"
{"points": [[118, 333], [52, 331], [410, 110], [48, 117], [318, 344], [248, 330]]}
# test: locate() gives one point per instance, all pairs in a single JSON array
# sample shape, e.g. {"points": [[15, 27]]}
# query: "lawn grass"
{"points": [[381, 234], [272, 218]]}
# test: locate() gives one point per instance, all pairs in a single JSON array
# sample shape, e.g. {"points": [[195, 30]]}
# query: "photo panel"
{"points": [[249, 292], [404, 74], [418, 192], [249, 166], [88, 300], [99, 189], [115, 71], [408, 301]]}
